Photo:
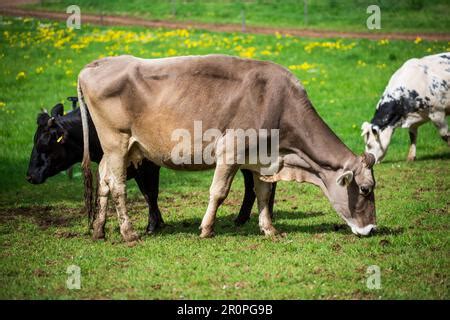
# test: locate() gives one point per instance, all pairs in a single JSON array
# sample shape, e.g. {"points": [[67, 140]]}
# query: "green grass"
{"points": [[348, 15], [43, 228]]}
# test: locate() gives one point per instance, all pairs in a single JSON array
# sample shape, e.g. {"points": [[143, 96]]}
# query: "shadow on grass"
{"points": [[438, 156], [225, 225], [44, 216]]}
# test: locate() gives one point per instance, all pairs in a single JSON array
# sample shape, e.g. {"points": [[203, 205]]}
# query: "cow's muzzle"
{"points": [[365, 231], [33, 179]]}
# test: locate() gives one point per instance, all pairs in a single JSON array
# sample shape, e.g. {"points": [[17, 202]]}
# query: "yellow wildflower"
{"points": [[305, 66], [171, 52], [361, 63], [20, 75]]}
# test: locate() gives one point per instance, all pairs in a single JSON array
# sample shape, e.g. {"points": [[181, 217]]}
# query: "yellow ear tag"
{"points": [[59, 139]]}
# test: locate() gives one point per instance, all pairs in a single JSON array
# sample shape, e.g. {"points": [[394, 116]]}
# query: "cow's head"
{"points": [[49, 155], [377, 140], [351, 192]]}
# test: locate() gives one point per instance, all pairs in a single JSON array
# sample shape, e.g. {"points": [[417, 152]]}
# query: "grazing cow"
{"points": [[417, 93], [58, 144], [137, 105]]}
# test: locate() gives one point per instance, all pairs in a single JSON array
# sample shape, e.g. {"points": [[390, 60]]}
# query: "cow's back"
{"points": [[152, 98], [428, 77]]}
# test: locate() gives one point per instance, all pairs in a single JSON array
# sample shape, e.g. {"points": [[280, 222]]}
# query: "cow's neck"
{"points": [[72, 123], [315, 142]]}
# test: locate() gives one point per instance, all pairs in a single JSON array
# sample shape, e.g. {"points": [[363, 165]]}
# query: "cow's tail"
{"points": [[86, 163]]}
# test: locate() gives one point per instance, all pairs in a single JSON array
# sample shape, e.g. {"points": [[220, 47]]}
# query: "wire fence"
{"points": [[298, 13]]}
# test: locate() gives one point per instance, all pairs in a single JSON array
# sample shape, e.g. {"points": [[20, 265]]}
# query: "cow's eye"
{"points": [[364, 190]]}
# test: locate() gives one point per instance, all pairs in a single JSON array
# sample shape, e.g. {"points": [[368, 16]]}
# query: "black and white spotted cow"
{"points": [[417, 92]]}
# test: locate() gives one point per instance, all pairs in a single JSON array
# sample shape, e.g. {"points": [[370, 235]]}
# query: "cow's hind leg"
{"points": [[438, 119], [115, 175], [223, 176], [117, 185], [103, 192], [263, 192], [147, 178], [413, 139], [249, 199]]}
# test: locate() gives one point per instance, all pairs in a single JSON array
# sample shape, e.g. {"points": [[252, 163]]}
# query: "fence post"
{"points": [[243, 20], [305, 12], [174, 8]]}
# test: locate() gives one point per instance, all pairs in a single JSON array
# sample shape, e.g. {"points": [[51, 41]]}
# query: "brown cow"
{"points": [[137, 105]]}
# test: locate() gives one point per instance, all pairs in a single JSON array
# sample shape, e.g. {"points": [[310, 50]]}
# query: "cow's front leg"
{"points": [[263, 192], [438, 119], [103, 192], [413, 139], [223, 176]]}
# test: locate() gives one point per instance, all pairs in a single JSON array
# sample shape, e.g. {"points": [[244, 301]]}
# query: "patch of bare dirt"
{"points": [[133, 21], [44, 216]]}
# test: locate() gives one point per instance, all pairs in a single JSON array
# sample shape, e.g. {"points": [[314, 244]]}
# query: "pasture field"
{"points": [[43, 229], [346, 15]]}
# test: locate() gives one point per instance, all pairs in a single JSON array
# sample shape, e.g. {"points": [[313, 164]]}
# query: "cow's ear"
{"points": [[42, 119], [57, 110], [345, 179]]}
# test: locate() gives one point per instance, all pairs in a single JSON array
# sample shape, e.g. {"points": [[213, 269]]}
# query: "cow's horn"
{"points": [[368, 159], [365, 128], [51, 121], [375, 129]]}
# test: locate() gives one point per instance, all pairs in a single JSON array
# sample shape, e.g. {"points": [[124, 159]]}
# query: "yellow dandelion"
{"points": [[418, 40], [361, 63], [21, 75], [39, 70], [171, 52]]}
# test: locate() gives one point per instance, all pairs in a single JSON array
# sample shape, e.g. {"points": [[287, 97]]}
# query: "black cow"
{"points": [[58, 144]]}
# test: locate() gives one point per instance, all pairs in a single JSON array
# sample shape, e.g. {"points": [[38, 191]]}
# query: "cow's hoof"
{"points": [[154, 227], [98, 232], [151, 230], [98, 235], [207, 233], [130, 236], [269, 231], [241, 220], [128, 233]]}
